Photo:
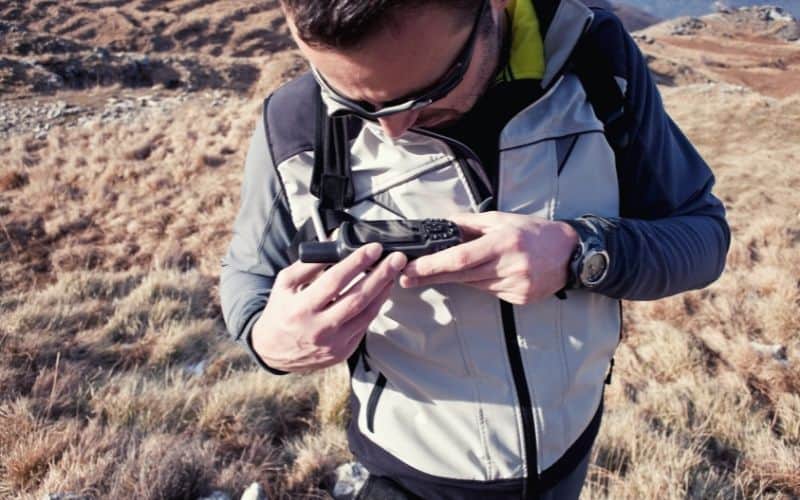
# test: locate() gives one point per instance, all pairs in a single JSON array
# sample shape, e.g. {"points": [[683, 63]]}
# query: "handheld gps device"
{"points": [[414, 238]]}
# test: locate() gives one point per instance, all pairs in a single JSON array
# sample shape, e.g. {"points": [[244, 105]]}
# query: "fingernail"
{"points": [[397, 261], [406, 282]]}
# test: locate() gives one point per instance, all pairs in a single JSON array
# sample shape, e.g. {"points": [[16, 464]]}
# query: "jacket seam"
{"points": [[564, 162], [476, 394], [457, 165], [553, 138], [372, 200], [564, 365], [399, 180], [281, 184], [267, 227]]}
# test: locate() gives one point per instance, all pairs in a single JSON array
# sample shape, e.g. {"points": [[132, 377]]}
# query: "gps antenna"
{"points": [[322, 251]]}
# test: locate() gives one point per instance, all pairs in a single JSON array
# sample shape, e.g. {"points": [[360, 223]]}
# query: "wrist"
{"points": [[590, 261], [254, 339]]}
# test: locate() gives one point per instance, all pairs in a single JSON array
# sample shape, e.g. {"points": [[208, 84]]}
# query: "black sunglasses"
{"points": [[450, 80]]}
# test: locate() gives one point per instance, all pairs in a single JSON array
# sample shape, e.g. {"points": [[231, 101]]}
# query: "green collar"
{"points": [[526, 57]]}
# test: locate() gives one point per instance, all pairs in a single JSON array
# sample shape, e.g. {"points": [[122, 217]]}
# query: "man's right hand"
{"points": [[312, 320]]}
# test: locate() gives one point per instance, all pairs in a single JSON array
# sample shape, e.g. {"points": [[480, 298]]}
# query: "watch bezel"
{"points": [[588, 254]]}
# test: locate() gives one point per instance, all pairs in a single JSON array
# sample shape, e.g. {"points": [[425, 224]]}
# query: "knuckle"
{"points": [[321, 334], [387, 272], [296, 317], [362, 258], [334, 274], [515, 240], [355, 304], [523, 267], [281, 279], [461, 259], [526, 291]]}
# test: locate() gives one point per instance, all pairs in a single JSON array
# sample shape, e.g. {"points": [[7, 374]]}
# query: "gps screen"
{"points": [[390, 231]]}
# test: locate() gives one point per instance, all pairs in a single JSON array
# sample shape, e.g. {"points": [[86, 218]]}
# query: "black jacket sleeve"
{"points": [[671, 235]]}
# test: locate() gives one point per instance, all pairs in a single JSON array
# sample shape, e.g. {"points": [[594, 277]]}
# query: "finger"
{"points": [[362, 294], [493, 285], [456, 258], [357, 327], [330, 284], [360, 323], [298, 274], [472, 224], [485, 271], [500, 288]]}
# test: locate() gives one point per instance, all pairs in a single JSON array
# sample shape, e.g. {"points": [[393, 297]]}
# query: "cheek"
{"points": [[479, 75]]}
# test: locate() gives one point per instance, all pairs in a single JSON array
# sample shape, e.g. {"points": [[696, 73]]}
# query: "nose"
{"points": [[395, 125]]}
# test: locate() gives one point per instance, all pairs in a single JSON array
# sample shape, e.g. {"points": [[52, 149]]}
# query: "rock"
{"points": [[196, 369], [254, 492], [687, 26], [722, 7], [350, 478], [769, 13], [775, 351], [216, 495]]}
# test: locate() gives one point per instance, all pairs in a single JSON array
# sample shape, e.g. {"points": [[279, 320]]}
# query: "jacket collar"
{"points": [[523, 49], [563, 23]]}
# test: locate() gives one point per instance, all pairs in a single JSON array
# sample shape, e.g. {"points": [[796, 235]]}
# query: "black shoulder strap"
{"points": [[331, 178], [594, 70]]}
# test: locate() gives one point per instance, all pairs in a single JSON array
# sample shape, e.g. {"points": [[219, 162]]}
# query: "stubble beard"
{"points": [[487, 71]]}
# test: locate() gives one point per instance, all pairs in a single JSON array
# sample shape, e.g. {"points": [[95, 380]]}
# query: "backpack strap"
{"points": [[331, 178], [597, 77]]}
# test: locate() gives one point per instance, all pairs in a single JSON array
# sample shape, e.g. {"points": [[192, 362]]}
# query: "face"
{"points": [[411, 54]]}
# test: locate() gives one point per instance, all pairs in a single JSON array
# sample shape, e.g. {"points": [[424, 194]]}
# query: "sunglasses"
{"points": [[443, 86]]}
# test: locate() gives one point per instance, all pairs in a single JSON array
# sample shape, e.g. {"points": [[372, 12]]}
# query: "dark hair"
{"points": [[344, 23]]}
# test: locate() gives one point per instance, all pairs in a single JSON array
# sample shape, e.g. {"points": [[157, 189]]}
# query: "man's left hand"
{"points": [[517, 258]]}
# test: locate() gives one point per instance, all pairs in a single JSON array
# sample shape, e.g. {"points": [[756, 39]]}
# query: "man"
{"points": [[478, 370]]}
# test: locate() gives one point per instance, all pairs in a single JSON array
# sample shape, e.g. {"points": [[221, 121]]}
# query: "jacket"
{"points": [[456, 392]]}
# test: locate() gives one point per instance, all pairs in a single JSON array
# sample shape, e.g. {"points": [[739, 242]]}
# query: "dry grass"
{"points": [[116, 380], [696, 410], [102, 396]]}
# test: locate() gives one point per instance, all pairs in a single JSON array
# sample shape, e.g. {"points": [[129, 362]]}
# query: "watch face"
{"points": [[594, 267]]}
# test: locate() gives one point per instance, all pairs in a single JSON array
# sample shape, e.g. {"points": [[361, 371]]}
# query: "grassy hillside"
{"points": [[116, 376]]}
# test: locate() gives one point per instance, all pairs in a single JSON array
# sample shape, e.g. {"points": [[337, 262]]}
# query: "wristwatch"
{"points": [[589, 263]]}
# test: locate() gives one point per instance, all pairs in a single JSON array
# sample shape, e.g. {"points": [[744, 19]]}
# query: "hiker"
{"points": [[477, 371]]}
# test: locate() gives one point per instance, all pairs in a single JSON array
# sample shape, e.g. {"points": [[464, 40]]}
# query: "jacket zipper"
{"points": [[529, 485], [530, 482], [372, 403]]}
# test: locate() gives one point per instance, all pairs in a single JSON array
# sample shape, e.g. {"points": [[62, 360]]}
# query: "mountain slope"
{"points": [[750, 47], [667, 9]]}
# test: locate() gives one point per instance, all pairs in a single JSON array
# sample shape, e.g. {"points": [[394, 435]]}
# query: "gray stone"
{"points": [[775, 351], [350, 478], [254, 492], [216, 495]]}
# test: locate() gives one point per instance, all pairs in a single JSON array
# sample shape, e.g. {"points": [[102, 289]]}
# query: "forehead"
{"points": [[412, 51]]}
